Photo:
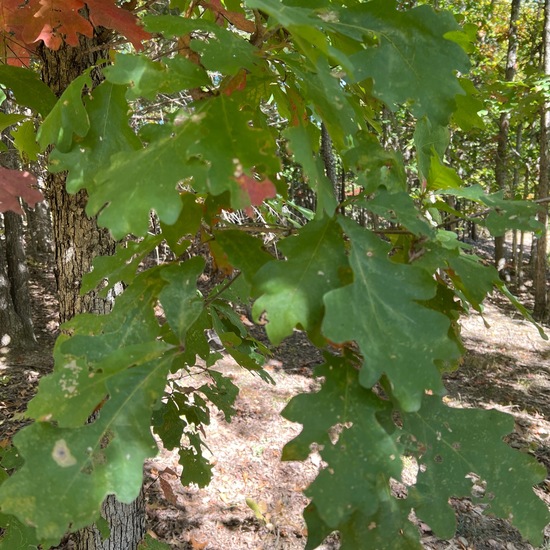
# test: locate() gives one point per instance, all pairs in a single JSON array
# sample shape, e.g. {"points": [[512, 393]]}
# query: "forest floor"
{"points": [[507, 367]]}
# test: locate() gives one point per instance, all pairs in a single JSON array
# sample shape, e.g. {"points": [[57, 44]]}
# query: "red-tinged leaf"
{"points": [[53, 21], [256, 191], [107, 14], [236, 83], [15, 184], [236, 19], [56, 21], [13, 50]]}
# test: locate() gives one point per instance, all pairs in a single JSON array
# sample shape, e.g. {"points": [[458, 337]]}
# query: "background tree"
{"points": [[502, 170], [541, 308]]}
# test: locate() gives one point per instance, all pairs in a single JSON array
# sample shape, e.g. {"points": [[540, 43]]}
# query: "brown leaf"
{"points": [[167, 491], [236, 19]]}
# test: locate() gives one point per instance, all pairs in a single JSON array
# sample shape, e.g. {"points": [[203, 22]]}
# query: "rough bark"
{"points": [[18, 275], [126, 521], [39, 231], [11, 327], [501, 160], [77, 240], [15, 301], [329, 160], [541, 306]]}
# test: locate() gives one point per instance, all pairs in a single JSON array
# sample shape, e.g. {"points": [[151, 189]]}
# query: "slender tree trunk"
{"points": [[541, 308], [11, 328], [329, 160], [39, 231], [77, 240], [501, 161], [16, 315], [18, 275]]}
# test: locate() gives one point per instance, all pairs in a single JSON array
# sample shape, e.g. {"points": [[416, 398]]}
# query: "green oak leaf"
{"points": [[503, 214], [399, 207], [306, 23], [28, 89], [120, 267], [9, 119], [136, 182], [108, 133], [332, 101], [88, 462], [179, 298], [412, 61], [388, 529], [363, 454], [375, 166], [226, 52], [449, 451], [220, 49], [234, 139], [468, 108], [300, 143], [187, 224], [16, 535], [222, 393], [24, 139], [146, 78], [68, 118], [441, 176], [429, 138], [205, 150], [244, 251], [397, 336], [291, 291], [474, 279], [100, 348]]}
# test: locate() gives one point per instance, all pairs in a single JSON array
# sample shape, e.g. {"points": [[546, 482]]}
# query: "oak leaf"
{"points": [[15, 184], [58, 21], [256, 191]]}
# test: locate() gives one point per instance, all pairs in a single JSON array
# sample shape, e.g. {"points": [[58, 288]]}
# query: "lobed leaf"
{"points": [[384, 299], [291, 291], [449, 452]]}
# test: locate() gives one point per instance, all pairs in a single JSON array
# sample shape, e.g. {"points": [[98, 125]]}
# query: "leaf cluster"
{"points": [[382, 301]]}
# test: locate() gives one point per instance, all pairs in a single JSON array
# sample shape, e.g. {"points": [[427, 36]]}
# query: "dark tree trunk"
{"points": [[541, 308], [18, 275], [15, 301], [501, 161], [77, 240], [11, 328], [329, 160]]}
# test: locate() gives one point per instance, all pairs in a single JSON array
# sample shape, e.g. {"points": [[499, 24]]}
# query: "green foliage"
{"points": [[453, 458], [27, 88], [382, 301]]}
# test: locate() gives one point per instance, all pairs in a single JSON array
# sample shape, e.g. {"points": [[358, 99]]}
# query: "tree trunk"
{"points": [[11, 328], [501, 161], [541, 311], [18, 275], [39, 231], [15, 300], [77, 240]]}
